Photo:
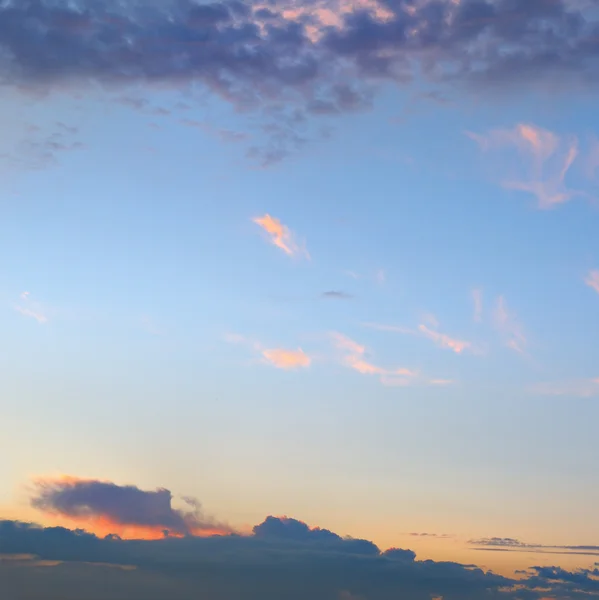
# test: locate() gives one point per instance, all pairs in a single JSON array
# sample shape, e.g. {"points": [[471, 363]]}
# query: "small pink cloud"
{"points": [[592, 280], [444, 341], [287, 359], [280, 235], [29, 308]]}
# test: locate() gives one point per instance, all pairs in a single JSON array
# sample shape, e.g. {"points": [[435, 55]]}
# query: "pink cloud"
{"points": [[280, 235], [477, 299], [547, 158], [287, 359], [33, 310], [508, 327], [444, 341], [592, 280]]}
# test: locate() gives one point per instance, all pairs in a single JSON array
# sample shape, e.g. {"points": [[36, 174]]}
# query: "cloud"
{"points": [[31, 309], [592, 280], [440, 339], [287, 359], [547, 158], [280, 558], [585, 388], [337, 295], [126, 510], [444, 341], [499, 544], [507, 325], [354, 357], [280, 235], [477, 300]]}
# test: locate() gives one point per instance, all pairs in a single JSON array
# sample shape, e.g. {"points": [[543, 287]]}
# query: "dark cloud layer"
{"points": [[82, 499], [498, 544], [251, 55], [283, 558]]}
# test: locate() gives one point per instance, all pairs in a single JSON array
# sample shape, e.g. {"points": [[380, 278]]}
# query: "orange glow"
{"points": [[287, 359], [280, 235]]}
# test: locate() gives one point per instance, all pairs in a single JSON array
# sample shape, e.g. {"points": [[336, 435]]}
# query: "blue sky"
{"points": [[420, 354]]}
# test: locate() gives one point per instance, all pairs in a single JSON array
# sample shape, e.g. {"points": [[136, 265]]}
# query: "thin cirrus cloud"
{"points": [[287, 359], [107, 508], [31, 309], [592, 280], [584, 388], [429, 331], [477, 300], [546, 156], [508, 327], [353, 356], [280, 235], [443, 340]]}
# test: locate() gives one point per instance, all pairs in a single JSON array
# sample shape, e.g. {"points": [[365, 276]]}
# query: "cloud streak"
{"points": [[547, 156], [592, 280], [508, 327], [31, 309], [280, 235]]}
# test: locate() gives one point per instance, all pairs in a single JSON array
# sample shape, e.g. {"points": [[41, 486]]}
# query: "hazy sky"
{"points": [[335, 260]]}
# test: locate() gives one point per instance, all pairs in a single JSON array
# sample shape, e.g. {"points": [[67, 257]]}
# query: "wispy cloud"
{"points": [[547, 158], [281, 358], [477, 300], [592, 280], [508, 326], [380, 276], [440, 339], [584, 388], [287, 359], [354, 357], [443, 340], [31, 309], [500, 544], [280, 235]]}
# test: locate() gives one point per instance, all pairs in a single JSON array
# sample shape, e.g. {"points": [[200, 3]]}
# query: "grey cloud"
{"points": [[283, 558], [251, 55], [121, 505], [337, 295]]}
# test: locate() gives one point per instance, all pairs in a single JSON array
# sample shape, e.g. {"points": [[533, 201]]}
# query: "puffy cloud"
{"points": [[281, 558], [323, 57], [280, 235], [287, 359], [126, 510]]}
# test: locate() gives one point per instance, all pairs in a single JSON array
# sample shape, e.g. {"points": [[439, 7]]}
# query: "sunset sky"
{"points": [[334, 260]]}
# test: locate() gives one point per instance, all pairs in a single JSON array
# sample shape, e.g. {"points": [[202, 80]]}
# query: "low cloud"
{"points": [[287, 359], [280, 558], [280, 235], [124, 510], [545, 156], [499, 544]]}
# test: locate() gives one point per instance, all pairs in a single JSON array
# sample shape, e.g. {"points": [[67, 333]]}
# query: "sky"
{"points": [[313, 280]]}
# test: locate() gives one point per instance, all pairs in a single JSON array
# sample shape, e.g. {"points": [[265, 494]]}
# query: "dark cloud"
{"points": [[256, 57], [337, 295], [283, 558], [83, 500], [498, 544], [432, 535]]}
